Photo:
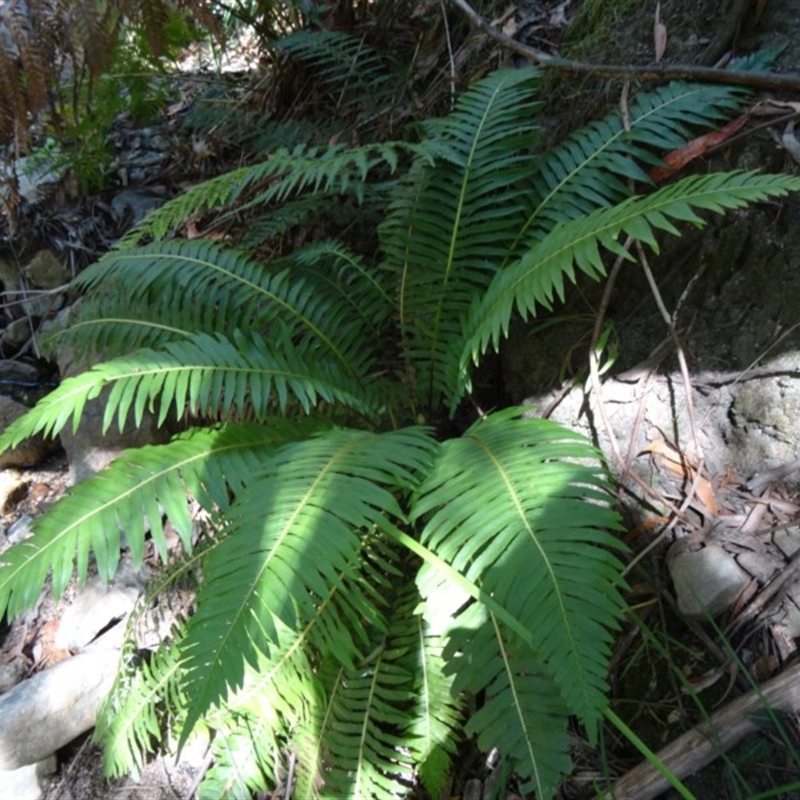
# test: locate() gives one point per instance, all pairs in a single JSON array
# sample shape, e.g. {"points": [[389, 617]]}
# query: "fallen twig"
{"points": [[689, 72], [703, 743]]}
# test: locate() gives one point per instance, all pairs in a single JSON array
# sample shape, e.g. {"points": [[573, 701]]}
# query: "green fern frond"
{"points": [[202, 376], [539, 276], [286, 174], [523, 713], [199, 286], [299, 547], [433, 722], [131, 496], [448, 229], [510, 507], [348, 69], [129, 721], [339, 272], [243, 756], [591, 169], [368, 759]]}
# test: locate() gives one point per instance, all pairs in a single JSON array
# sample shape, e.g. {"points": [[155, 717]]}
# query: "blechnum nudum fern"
{"points": [[361, 578]]}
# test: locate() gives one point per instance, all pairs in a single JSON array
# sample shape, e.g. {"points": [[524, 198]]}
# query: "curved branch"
{"points": [[756, 80]]}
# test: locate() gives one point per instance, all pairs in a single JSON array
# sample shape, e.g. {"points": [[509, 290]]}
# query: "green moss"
{"points": [[593, 24]]}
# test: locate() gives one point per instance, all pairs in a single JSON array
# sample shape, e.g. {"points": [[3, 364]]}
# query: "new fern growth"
{"points": [[361, 576]]}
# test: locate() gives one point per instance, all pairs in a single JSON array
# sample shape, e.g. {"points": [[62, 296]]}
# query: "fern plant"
{"points": [[370, 592]]}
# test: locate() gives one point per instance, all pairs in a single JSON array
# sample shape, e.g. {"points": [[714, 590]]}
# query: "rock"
{"points": [[25, 783], [11, 486], [10, 276], [132, 205], [47, 271], [42, 305], [11, 674], [97, 606], [17, 333], [16, 372], [31, 450], [707, 580], [43, 714], [20, 530]]}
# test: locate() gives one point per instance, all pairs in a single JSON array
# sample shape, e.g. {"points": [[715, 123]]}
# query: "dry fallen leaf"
{"points": [[659, 35], [678, 159], [677, 463]]}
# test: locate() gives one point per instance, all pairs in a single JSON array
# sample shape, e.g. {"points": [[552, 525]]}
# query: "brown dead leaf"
{"points": [[678, 464], [678, 159], [659, 34]]}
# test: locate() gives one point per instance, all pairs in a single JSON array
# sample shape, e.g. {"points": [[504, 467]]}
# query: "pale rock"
{"points": [[43, 305], [47, 271], [707, 580], [17, 333], [12, 673], [18, 372], [26, 782], [98, 605], [10, 276], [41, 715], [11, 482], [788, 540]]}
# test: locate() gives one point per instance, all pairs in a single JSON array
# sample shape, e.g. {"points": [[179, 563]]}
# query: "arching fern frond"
{"points": [[299, 546], [523, 714], [172, 290], [244, 758], [128, 721], [509, 505], [131, 496], [539, 276], [448, 229], [205, 376], [591, 169], [347, 69], [334, 169]]}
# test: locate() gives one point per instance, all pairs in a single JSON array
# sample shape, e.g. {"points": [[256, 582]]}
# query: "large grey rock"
{"points": [[745, 422], [17, 333], [41, 715], [707, 580]]}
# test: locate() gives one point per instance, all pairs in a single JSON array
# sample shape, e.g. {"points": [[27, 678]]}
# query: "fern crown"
{"points": [[362, 576]]}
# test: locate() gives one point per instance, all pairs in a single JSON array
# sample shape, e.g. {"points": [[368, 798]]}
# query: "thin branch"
{"points": [[756, 80]]}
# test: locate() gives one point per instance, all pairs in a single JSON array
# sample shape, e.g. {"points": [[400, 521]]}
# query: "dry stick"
{"points": [[594, 372], [452, 59], [758, 80], [703, 743], [678, 347]]}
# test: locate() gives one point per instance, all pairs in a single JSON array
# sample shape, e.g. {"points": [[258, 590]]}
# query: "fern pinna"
{"points": [[361, 577]]}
